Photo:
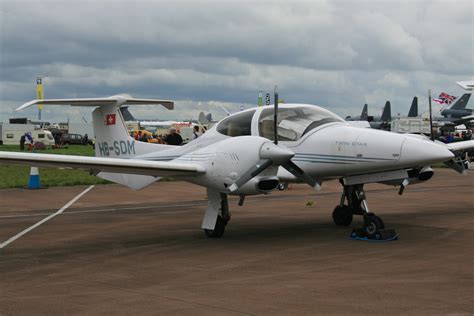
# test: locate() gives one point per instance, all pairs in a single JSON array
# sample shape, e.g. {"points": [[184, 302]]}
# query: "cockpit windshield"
{"points": [[294, 122]]}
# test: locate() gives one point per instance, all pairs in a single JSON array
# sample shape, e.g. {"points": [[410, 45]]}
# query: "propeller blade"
{"points": [[269, 154], [301, 175], [252, 172]]}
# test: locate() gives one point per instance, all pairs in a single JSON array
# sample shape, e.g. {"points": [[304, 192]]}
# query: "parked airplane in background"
{"points": [[253, 152], [457, 109], [364, 116], [381, 122], [457, 113]]}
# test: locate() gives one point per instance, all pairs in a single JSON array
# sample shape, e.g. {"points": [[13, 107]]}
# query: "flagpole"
{"points": [[431, 117]]}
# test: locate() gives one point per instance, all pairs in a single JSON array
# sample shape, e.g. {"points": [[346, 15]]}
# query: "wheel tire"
{"points": [[372, 224], [342, 215], [218, 230]]}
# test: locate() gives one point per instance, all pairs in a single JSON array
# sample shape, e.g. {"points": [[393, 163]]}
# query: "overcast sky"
{"points": [[207, 54]]}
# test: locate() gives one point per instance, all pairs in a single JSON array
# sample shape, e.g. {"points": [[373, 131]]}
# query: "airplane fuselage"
{"points": [[331, 150]]}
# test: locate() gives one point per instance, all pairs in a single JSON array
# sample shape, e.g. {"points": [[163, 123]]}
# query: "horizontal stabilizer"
{"points": [[117, 100], [466, 85]]}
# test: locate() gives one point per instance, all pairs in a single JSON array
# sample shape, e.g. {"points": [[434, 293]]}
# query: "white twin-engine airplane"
{"points": [[240, 156]]}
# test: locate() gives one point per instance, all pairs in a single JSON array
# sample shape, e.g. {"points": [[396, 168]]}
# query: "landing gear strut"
{"points": [[374, 227]]}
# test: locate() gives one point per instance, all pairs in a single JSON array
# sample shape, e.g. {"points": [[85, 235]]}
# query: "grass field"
{"points": [[17, 176]]}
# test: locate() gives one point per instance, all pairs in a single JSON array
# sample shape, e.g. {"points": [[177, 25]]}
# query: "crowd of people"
{"points": [[172, 138], [449, 137]]}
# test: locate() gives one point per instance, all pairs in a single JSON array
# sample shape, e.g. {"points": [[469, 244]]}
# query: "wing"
{"points": [[97, 164], [467, 145], [116, 99]]}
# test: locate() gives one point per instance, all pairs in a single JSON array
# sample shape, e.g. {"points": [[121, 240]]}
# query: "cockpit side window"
{"points": [[294, 122], [237, 125]]}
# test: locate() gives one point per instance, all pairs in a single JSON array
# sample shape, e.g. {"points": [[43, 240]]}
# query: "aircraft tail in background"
{"points": [[413, 112], [460, 103], [364, 114], [387, 112]]}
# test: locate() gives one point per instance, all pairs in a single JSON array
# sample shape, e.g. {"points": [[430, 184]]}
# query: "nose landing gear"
{"points": [[374, 227]]}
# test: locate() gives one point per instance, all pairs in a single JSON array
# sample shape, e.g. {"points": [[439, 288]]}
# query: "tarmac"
{"points": [[118, 251]]}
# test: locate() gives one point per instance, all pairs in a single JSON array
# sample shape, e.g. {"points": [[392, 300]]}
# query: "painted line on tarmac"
{"points": [[62, 209], [198, 203]]}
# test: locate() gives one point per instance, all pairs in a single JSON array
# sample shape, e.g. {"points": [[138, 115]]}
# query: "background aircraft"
{"points": [[457, 109], [377, 122], [253, 152]]}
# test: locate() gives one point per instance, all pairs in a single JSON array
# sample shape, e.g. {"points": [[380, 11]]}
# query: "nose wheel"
{"points": [[372, 224]]}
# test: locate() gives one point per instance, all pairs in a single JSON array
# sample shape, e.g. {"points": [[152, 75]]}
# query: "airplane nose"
{"points": [[423, 152]]}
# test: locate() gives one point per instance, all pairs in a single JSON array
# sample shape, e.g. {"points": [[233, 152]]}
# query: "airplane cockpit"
{"points": [[294, 121]]}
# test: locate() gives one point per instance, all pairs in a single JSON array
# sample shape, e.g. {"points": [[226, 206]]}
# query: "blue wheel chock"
{"points": [[379, 236]]}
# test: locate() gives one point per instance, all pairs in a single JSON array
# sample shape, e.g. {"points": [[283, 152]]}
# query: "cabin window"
{"points": [[294, 121], [237, 125], [50, 137], [9, 135], [40, 135]]}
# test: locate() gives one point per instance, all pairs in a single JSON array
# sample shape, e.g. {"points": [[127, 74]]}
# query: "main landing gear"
{"points": [[217, 215], [374, 227]]}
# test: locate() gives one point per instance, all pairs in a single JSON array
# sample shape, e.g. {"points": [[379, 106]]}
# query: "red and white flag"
{"points": [[444, 98], [110, 119]]}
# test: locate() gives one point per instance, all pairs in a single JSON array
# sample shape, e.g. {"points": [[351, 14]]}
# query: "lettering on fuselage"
{"points": [[117, 148], [354, 144]]}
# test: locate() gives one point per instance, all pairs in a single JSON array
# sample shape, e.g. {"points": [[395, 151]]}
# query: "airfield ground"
{"points": [[118, 251]]}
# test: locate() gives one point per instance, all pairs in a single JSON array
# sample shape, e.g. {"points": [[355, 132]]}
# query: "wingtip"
{"points": [[27, 104]]}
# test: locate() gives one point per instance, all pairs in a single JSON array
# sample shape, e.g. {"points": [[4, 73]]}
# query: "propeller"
{"points": [[301, 175], [269, 154]]}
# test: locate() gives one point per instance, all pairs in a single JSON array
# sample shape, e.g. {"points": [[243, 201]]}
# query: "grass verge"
{"points": [[12, 176]]}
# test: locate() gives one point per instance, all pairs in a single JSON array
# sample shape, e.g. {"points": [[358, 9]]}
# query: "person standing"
{"points": [[173, 138], [196, 133], [22, 142]]}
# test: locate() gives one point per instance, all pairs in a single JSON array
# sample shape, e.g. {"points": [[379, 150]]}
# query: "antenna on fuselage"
{"points": [[431, 116], [275, 115]]}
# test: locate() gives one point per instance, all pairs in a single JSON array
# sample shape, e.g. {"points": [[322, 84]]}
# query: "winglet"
{"points": [[28, 104]]}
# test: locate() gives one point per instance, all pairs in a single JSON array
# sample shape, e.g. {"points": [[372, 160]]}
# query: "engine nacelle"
{"points": [[258, 185], [226, 161], [414, 176], [417, 176]]}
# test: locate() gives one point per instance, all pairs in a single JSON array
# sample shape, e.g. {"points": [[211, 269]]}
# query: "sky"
{"points": [[209, 55]]}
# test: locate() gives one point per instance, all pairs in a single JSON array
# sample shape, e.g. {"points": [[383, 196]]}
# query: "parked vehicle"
{"points": [[71, 139]]}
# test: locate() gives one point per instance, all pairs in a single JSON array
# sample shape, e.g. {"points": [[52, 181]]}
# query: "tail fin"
{"points": [[461, 102], [364, 114], [387, 113], [413, 112], [112, 138]]}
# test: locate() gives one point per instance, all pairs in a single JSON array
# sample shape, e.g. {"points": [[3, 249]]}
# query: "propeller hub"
{"points": [[276, 153]]}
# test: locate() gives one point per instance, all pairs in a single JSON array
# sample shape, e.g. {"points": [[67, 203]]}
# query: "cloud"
{"points": [[338, 54]]}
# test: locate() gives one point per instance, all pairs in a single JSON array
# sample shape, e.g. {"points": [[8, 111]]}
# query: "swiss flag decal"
{"points": [[110, 119]]}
